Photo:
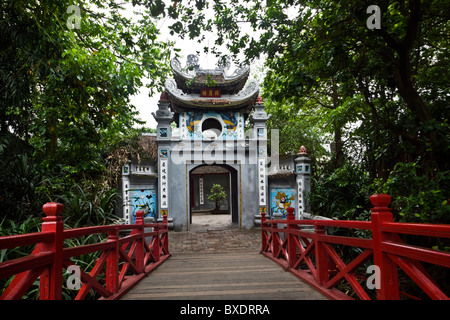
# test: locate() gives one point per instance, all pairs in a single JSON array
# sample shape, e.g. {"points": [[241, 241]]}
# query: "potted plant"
{"points": [[217, 195]]}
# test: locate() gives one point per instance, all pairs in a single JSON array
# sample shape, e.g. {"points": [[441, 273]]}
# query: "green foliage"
{"points": [[416, 197], [65, 108], [88, 207], [18, 180], [66, 121], [378, 97], [10, 227], [210, 82], [64, 90], [341, 193], [217, 194], [296, 127]]}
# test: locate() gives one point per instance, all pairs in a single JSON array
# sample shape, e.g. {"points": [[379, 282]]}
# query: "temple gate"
{"points": [[212, 127]]}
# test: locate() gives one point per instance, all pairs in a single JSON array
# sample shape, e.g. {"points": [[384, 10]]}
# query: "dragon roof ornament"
{"points": [[193, 87], [245, 98], [193, 68]]}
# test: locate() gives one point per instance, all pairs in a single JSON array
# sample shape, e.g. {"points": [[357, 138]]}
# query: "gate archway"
{"points": [[201, 179]]}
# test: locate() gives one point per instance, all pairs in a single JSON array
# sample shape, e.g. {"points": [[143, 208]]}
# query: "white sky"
{"points": [[145, 104]]}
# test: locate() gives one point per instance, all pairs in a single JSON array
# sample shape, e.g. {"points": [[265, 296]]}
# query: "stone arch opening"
{"points": [[201, 179]]}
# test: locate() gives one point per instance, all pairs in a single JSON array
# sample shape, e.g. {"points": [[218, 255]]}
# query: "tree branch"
{"points": [[413, 24], [321, 103]]}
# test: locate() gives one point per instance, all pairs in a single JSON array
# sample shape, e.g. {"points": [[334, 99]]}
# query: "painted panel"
{"points": [[144, 200], [262, 181], [163, 132], [201, 194], [280, 199], [163, 178], [211, 93], [232, 123]]}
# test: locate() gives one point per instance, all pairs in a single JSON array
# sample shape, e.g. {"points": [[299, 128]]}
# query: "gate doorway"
{"points": [[202, 212]]}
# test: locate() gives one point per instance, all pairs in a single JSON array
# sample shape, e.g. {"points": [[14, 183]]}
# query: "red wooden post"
{"points": [[112, 263], [156, 242], [292, 247], [165, 236], [388, 269], [321, 257], [263, 232], [50, 287], [139, 252], [275, 240]]}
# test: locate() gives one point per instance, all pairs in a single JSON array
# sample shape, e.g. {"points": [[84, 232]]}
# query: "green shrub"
{"points": [[87, 207], [417, 197], [340, 193]]}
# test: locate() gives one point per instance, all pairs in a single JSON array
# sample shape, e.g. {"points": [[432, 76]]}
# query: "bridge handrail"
{"points": [[123, 261], [312, 257], [21, 240], [79, 232], [364, 225]]}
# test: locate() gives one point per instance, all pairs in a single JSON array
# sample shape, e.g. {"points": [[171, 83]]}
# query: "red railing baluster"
{"points": [[263, 232], [164, 236], [292, 246], [156, 244], [50, 287], [139, 253], [389, 276], [298, 250], [275, 240], [112, 262], [321, 256]]}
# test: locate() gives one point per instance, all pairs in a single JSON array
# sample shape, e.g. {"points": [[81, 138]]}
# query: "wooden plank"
{"points": [[225, 276], [278, 293]]}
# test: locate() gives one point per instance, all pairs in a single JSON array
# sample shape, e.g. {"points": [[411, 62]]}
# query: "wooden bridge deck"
{"points": [[221, 276], [219, 264]]}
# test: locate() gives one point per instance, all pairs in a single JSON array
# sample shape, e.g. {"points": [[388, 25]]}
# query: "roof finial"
{"points": [[259, 100], [163, 97], [302, 150]]}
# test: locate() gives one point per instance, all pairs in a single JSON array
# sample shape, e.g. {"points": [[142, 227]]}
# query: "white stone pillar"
{"points": [[126, 200], [259, 119], [164, 117], [303, 172]]}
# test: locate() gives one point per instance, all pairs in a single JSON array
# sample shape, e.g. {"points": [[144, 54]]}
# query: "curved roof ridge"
{"points": [[199, 78]]}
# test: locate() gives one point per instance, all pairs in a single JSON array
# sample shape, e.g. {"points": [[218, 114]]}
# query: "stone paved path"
{"points": [[214, 234]]}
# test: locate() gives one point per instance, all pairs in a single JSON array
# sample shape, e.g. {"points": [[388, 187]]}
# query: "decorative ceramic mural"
{"points": [[144, 200], [280, 199]]}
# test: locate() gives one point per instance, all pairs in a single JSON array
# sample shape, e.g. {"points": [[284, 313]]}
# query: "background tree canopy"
{"points": [[380, 96], [371, 106], [66, 77]]}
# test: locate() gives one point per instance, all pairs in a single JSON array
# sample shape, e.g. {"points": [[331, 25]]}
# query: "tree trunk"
{"points": [[402, 75], [339, 157]]}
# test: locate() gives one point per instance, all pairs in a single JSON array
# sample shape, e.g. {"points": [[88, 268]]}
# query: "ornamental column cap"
{"points": [[164, 97], [53, 209], [302, 151]]}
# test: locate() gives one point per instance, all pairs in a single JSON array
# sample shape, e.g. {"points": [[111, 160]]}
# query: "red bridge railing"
{"points": [[347, 267], [124, 260]]}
